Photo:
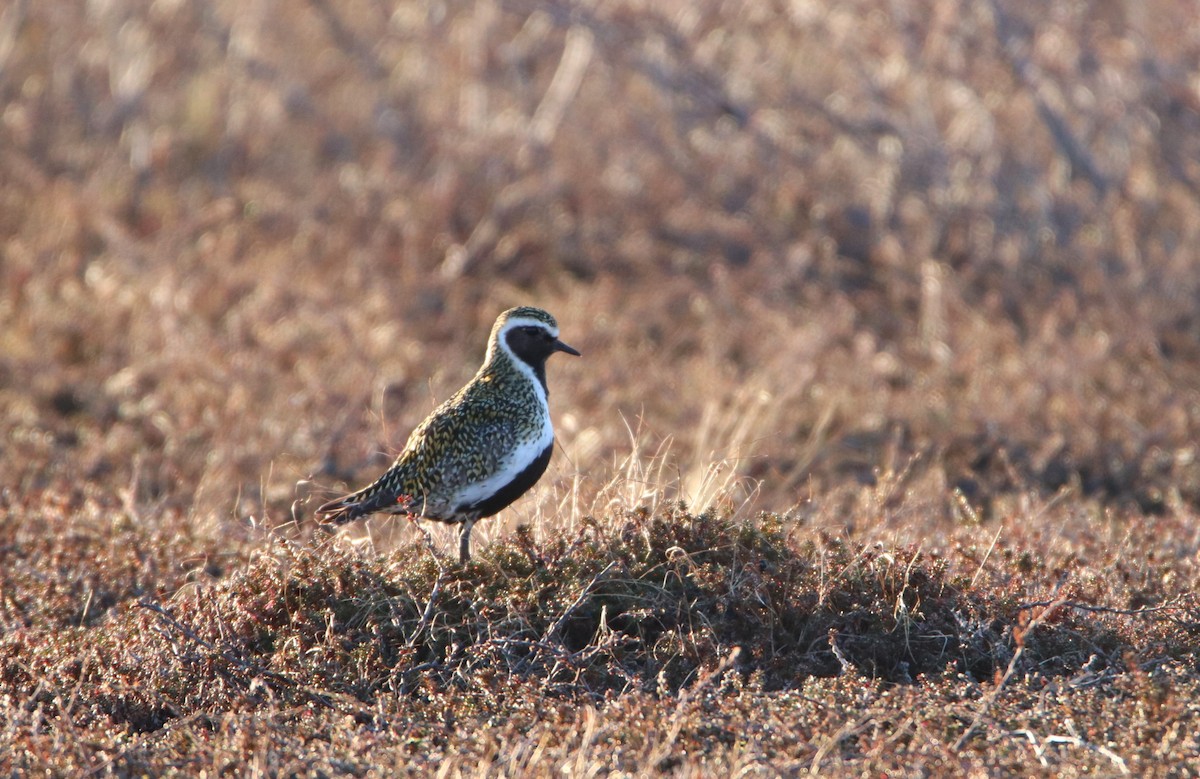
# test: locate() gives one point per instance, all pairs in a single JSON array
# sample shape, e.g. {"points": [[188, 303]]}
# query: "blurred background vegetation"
{"points": [[802, 245]]}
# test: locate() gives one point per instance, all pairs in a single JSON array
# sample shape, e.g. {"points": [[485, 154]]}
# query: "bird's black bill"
{"points": [[559, 346]]}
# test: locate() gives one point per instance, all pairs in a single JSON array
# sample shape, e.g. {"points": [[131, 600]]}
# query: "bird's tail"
{"points": [[356, 505], [343, 510]]}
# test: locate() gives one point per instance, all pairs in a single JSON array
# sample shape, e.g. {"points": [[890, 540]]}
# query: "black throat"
{"points": [[531, 351]]}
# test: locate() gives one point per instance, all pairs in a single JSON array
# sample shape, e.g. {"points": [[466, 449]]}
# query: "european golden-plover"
{"points": [[481, 449]]}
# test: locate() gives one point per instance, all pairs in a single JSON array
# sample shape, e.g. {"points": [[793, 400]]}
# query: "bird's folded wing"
{"points": [[460, 449]]}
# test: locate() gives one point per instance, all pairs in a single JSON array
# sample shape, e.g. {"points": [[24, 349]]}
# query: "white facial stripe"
{"points": [[524, 321], [520, 364]]}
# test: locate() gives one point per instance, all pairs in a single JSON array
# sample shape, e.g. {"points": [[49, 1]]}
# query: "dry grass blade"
{"points": [[552, 633], [1043, 613], [663, 747]]}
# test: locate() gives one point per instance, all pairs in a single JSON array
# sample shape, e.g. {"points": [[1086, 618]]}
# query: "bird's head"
{"points": [[529, 334]]}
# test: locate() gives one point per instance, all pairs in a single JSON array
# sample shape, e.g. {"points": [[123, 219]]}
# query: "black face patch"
{"points": [[531, 344]]}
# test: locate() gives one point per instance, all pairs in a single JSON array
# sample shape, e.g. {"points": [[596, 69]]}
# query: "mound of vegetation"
{"points": [[650, 613]]}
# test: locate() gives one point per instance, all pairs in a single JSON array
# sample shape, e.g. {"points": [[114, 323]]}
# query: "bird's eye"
{"points": [[533, 330]]}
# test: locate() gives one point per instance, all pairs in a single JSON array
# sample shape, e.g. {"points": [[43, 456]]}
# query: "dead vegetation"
{"points": [[713, 630], [915, 280]]}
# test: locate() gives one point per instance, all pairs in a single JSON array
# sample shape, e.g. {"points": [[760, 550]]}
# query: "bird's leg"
{"points": [[464, 541]]}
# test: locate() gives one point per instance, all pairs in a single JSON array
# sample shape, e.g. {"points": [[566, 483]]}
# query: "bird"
{"points": [[480, 450]]}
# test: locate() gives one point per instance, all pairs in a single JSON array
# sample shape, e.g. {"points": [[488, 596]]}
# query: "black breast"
{"points": [[520, 484]]}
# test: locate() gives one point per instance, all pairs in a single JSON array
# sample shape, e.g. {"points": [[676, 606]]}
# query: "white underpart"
{"points": [[518, 460], [526, 451]]}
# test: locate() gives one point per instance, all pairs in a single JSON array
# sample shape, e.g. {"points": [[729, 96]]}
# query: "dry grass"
{"points": [[898, 299]]}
